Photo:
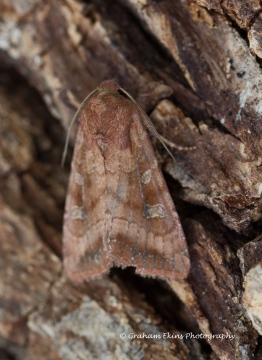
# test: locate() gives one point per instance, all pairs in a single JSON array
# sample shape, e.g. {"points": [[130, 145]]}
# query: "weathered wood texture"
{"points": [[195, 68]]}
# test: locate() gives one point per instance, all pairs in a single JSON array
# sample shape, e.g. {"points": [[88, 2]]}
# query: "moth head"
{"points": [[110, 85]]}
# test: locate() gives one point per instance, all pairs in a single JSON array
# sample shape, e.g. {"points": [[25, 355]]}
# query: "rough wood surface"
{"points": [[194, 66]]}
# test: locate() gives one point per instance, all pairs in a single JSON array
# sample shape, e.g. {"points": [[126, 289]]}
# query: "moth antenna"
{"points": [[149, 123], [72, 123], [178, 147]]}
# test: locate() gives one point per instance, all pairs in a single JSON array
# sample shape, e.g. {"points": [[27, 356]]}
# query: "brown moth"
{"points": [[118, 207]]}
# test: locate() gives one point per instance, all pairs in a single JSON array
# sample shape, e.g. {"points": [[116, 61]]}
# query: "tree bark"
{"points": [[194, 67]]}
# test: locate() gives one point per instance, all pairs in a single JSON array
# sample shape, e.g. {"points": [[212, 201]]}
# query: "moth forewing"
{"points": [[118, 207]]}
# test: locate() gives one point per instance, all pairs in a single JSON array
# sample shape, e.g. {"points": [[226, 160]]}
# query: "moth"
{"points": [[118, 208]]}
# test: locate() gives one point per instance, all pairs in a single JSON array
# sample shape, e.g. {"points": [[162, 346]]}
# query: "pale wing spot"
{"points": [[110, 241], [153, 211], [77, 213], [90, 170], [121, 192], [97, 258], [78, 178], [184, 252], [88, 162], [79, 136], [146, 177]]}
